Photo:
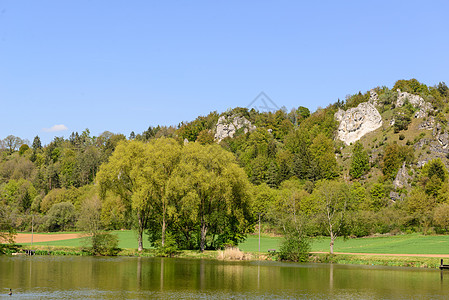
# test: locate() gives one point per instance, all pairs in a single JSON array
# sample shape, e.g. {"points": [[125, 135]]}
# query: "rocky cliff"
{"points": [[227, 126], [357, 121], [417, 101]]}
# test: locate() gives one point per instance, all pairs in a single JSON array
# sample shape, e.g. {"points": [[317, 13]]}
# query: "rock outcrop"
{"points": [[402, 178], [415, 100], [428, 124], [227, 127], [373, 97], [357, 121]]}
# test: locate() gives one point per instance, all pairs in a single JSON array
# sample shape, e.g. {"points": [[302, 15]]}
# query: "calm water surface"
{"points": [[127, 278]]}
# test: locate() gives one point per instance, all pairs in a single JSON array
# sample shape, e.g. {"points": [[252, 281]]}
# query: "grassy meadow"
{"points": [[399, 244]]}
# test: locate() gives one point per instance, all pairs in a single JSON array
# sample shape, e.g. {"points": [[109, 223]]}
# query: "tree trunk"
{"points": [[203, 236], [332, 244], [140, 234], [259, 232], [163, 231]]}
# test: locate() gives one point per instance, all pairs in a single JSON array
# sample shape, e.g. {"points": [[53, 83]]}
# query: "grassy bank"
{"points": [[394, 261], [400, 244]]}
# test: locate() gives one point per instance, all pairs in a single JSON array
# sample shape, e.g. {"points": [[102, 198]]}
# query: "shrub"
{"points": [[103, 243], [170, 247], [295, 247], [401, 137]]}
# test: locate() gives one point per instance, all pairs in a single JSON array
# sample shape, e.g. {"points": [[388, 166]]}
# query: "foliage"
{"points": [[411, 86], [295, 247], [393, 158], [334, 203], [359, 162], [213, 196], [103, 243], [441, 215], [61, 216], [169, 248]]}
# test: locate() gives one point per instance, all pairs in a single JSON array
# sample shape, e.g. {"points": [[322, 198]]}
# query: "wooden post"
{"points": [[32, 229]]}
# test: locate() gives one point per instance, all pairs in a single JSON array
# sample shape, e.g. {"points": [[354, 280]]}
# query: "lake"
{"points": [[72, 277]]}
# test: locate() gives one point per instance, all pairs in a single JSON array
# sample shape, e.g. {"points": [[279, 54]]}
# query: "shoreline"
{"points": [[431, 261]]}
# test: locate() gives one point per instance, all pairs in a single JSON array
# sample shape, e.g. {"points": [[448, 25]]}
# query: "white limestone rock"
{"points": [[357, 121], [416, 101], [227, 127], [402, 178], [373, 97]]}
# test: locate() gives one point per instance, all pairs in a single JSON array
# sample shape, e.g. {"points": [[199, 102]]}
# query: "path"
{"points": [[26, 237]]}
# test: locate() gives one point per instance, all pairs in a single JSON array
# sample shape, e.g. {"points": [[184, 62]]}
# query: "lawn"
{"points": [[400, 244], [127, 239]]}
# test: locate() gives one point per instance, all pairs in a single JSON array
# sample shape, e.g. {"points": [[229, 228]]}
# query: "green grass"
{"points": [[400, 244], [251, 243], [127, 240]]}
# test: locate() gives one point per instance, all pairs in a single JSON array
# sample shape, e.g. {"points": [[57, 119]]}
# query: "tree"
{"points": [[12, 142], [123, 175], [264, 198], [322, 152], [441, 215], [291, 213], [61, 216], [101, 242], [393, 158], [7, 231], [360, 161], [163, 157], [37, 143], [334, 202], [139, 172], [213, 192]]}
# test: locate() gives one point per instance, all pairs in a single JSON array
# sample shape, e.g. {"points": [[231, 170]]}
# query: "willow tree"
{"points": [[213, 194], [138, 172], [163, 157], [123, 176]]}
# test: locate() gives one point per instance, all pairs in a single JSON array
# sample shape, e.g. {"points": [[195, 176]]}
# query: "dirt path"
{"points": [[26, 237], [390, 254]]}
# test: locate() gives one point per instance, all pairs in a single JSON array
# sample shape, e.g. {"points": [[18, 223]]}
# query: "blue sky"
{"points": [[122, 66]]}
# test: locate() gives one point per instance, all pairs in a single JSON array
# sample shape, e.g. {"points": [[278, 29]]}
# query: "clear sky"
{"points": [[122, 66]]}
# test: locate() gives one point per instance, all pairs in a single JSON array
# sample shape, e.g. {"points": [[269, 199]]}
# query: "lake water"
{"points": [[72, 277]]}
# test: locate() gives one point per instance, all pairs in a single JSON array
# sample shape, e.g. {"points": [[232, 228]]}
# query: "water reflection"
{"points": [[87, 277]]}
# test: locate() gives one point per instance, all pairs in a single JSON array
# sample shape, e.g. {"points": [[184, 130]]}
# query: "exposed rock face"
{"points": [[373, 97], [402, 178], [226, 127], [357, 121], [443, 139], [429, 124], [416, 101]]}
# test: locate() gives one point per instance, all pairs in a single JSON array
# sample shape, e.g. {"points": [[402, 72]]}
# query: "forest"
{"points": [[288, 173]]}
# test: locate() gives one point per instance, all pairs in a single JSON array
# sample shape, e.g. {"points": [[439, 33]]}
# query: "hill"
{"points": [[388, 146]]}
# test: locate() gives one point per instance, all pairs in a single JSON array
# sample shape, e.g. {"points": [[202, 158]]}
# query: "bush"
{"points": [[170, 247], [103, 243], [295, 247], [401, 137]]}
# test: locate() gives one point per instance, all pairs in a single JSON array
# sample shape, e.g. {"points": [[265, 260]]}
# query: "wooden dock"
{"points": [[443, 266]]}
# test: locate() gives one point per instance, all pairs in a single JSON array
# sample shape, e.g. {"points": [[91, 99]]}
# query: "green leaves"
{"points": [[360, 161]]}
